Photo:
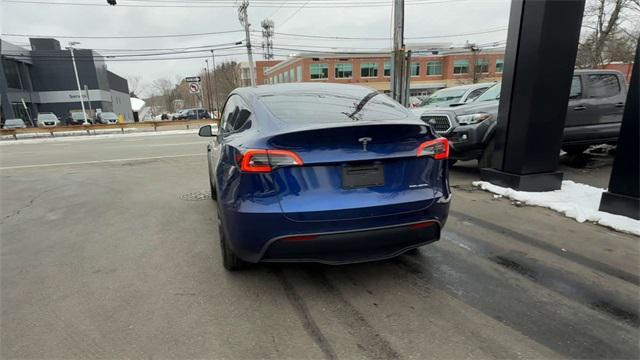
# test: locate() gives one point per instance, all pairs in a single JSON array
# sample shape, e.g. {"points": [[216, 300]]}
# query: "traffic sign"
{"points": [[192, 79], [194, 87]]}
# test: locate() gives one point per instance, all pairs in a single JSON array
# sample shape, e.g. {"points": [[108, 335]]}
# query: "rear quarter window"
{"points": [[331, 108], [603, 85]]}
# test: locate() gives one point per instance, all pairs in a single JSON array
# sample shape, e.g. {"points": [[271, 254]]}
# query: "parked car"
{"points": [[321, 179], [77, 118], [180, 115], [106, 118], [452, 96], [47, 119], [192, 114], [594, 116], [14, 124]]}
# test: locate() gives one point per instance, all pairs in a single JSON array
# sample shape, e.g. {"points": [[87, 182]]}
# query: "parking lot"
{"points": [[110, 250]]}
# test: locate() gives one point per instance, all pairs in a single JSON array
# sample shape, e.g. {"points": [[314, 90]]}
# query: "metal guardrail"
{"points": [[146, 124]]}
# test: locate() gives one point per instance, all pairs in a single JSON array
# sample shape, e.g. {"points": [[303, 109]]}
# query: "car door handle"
{"points": [[580, 107], [620, 104]]}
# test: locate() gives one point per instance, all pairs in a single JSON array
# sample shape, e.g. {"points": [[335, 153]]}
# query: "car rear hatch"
{"points": [[356, 171]]}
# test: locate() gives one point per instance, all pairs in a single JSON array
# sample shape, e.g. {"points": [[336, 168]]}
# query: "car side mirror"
{"points": [[206, 131]]}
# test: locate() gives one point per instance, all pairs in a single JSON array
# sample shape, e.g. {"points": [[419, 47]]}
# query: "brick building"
{"points": [[428, 72]]}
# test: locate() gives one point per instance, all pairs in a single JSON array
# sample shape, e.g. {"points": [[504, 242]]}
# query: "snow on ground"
{"points": [[101, 134], [575, 200]]}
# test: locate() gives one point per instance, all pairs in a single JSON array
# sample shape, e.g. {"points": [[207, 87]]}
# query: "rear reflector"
{"points": [[299, 238], [422, 225], [263, 161], [437, 149]]}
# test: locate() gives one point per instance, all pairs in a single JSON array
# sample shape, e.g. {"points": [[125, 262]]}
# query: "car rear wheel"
{"points": [[485, 159], [230, 261]]}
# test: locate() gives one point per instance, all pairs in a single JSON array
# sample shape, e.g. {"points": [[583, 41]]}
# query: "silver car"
{"points": [[107, 118], [14, 124], [452, 96], [47, 119]]}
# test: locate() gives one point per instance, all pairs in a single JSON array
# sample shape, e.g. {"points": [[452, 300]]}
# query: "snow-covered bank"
{"points": [[574, 200], [82, 136]]}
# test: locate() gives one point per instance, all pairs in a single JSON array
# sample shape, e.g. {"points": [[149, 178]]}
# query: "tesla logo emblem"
{"points": [[364, 141]]}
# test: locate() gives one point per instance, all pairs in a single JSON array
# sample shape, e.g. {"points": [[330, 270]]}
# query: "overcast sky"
{"points": [[422, 19]]}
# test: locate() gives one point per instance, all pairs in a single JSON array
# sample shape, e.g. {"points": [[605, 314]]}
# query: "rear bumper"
{"points": [[256, 237], [353, 246]]}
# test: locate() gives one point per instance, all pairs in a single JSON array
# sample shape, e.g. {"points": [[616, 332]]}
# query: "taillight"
{"points": [[264, 161], [438, 149]]}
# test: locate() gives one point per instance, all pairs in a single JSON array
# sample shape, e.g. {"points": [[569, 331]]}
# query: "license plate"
{"points": [[362, 176]]}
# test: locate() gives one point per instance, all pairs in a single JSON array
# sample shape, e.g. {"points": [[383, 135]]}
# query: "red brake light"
{"points": [[299, 238], [422, 225], [264, 161], [438, 149]]}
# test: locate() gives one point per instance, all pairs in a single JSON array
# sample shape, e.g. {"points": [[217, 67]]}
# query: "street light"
{"points": [[75, 70]]}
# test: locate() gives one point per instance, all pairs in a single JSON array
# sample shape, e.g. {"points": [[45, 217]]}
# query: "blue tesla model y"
{"points": [[327, 173]]}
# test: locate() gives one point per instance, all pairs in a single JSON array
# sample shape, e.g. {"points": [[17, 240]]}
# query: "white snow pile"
{"points": [[82, 136], [574, 200]]}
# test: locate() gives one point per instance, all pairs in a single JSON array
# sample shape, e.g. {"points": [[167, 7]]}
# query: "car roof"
{"points": [[307, 87], [597, 71], [470, 86]]}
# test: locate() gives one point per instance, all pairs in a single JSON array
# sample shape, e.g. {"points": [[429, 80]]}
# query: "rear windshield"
{"points": [[14, 122], [108, 115], [330, 108], [47, 117], [444, 97], [77, 116]]}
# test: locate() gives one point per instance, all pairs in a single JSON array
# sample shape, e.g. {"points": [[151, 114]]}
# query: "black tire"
{"points": [[230, 261], [485, 159]]}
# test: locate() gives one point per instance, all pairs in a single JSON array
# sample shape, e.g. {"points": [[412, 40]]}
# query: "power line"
{"points": [[294, 13], [229, 5], [388, 38], [134, 60], [108, 50], [126, 37], [60, 55], [308, 36]]}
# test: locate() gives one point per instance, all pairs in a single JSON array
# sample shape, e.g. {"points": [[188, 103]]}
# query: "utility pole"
{"points": [[244, 21], [86, 90], [208, 79], [215, 84], [398, 58], [474, 59], [75, 69], [267, 38]]}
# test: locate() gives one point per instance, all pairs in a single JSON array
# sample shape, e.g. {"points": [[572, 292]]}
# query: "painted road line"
{"points": [[97, 161], [176, 144]]}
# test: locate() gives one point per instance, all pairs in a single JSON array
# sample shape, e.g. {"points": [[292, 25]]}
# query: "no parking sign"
{"points": [[194, 87]]}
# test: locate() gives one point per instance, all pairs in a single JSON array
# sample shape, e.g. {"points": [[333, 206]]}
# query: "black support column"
{"points": [[623, 197], [540, 56], [7, 109]]}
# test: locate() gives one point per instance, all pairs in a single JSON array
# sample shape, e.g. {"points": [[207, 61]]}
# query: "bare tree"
{"points": [[166, 93], [136, 86], [607, 23], [227, 77]]}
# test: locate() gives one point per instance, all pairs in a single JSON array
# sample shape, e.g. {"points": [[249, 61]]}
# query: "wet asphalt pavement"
{"points": [[112, 253]]}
